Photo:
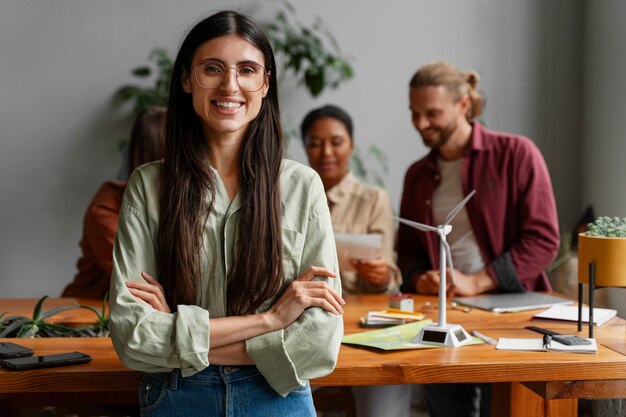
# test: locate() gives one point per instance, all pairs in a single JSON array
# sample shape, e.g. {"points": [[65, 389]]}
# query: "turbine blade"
{"points": [[416, 225], [458, 208]]}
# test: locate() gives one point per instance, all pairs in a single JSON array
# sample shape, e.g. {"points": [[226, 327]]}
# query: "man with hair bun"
{"points": [[506, 235]]}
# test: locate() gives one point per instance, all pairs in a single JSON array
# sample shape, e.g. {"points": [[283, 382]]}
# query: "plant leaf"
{"points": [[314, 81], [128, 92], [13, 326], [28, 330], [57, 310], [37, 310], [142, 72]]}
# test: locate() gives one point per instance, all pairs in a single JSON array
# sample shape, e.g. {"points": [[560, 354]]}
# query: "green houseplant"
{"points": [[37, 326], [311, 54]]}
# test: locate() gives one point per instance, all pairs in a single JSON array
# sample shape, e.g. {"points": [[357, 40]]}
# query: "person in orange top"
{"points": [[100, 222]]}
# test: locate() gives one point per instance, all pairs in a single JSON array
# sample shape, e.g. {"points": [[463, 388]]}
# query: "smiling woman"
{"points": [[245, 322]]}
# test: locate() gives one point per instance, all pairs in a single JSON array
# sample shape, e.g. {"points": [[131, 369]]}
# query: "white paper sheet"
{"points": [[351, 246], [570, 313]]}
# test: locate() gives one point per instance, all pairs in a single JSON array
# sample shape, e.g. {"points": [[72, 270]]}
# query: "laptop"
{"points": [[511, 302]]}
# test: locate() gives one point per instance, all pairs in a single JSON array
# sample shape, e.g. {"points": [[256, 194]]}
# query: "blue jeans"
{"points": [[220, 391]]}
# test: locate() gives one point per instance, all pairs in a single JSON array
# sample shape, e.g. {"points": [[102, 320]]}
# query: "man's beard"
{"points": [[444, 134]]}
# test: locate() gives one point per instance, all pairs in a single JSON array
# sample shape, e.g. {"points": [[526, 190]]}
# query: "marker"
{"points": [[484, 337], [542, 331]]}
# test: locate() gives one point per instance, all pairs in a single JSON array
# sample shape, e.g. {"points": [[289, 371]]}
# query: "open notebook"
{"points": [[505, 343], [511, 302]]}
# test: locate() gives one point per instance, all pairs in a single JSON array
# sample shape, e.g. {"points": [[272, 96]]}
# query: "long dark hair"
{"points": [[187, 180]]}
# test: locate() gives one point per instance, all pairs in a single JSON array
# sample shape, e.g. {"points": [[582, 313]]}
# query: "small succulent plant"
{"points": [[37, 326], [607, 227]]}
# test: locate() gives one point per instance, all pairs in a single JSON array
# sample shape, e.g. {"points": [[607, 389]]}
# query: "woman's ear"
{"points": [[266, 86], [185, 81]]}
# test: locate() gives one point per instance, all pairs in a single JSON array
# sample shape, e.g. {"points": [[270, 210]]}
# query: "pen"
{"points": [[542, 331], [484, 337]]}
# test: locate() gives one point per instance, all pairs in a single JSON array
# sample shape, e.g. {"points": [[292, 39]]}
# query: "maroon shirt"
{"points": [[513, 213]]}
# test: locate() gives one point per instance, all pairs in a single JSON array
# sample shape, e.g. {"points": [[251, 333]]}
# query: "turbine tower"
{"points": [[442, 334]]}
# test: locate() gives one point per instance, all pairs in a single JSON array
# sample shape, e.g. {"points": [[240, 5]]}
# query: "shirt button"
{"points": [[437, 177], [427, 202]]}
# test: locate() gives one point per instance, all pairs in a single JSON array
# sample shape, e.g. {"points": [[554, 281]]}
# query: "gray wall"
{"points": [[63, 60], [605, 88]]}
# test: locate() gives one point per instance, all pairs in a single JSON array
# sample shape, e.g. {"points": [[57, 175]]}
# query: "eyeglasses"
{"points": [[250, 76]]}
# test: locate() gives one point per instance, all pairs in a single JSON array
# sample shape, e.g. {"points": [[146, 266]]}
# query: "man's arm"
{"points": [[538, 238]]}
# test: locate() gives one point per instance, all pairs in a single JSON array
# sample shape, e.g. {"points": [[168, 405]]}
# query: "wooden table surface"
{"points": [[552, 375], [478, 363]]}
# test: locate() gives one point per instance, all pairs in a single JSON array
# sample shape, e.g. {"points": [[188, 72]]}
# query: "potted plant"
{"points": [[601, 260], [37, 326], [604, 244]]}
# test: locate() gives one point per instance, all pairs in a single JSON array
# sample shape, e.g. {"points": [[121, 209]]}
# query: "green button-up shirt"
{"points": [[153, 341]]}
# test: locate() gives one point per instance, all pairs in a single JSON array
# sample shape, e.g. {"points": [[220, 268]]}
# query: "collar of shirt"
{"points": [[222, 203], [342, 189]]}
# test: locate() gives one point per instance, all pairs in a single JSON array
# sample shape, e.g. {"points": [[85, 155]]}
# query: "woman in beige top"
{"points": [[355, 207]]}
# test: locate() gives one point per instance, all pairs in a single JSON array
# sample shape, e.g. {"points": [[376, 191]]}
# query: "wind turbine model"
{"points": [[442, 334]]}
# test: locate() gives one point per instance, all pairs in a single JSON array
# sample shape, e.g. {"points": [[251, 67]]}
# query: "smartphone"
{"points": [[45, 361], [12, 350]]}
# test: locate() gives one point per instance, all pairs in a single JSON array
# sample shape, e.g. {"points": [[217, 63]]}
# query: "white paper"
{"points": [[570, 313], [505, 343], [363, 247]]}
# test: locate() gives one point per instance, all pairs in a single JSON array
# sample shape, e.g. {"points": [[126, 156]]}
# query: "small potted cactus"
{"points": [[604, 244]]}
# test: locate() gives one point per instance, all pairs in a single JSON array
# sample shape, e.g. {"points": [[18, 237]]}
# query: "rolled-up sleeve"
{"points": [[144, 338], [307, 348]]}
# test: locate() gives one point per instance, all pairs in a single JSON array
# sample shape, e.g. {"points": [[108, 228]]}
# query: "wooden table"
{"points": [[526, 383]]}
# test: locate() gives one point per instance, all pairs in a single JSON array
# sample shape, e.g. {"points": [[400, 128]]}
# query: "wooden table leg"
{"points": [[515, 400]]}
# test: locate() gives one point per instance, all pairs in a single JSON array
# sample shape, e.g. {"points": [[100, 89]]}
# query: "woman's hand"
{"points": [[303, 293], [149, 293], [376, 272]]}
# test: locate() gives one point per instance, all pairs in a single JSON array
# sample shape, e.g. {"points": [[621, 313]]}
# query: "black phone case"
{"points": [[10, 350], [46, 361]]}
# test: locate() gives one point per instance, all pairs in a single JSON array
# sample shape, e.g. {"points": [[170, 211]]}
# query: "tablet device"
{"points": [[511, 302]]}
